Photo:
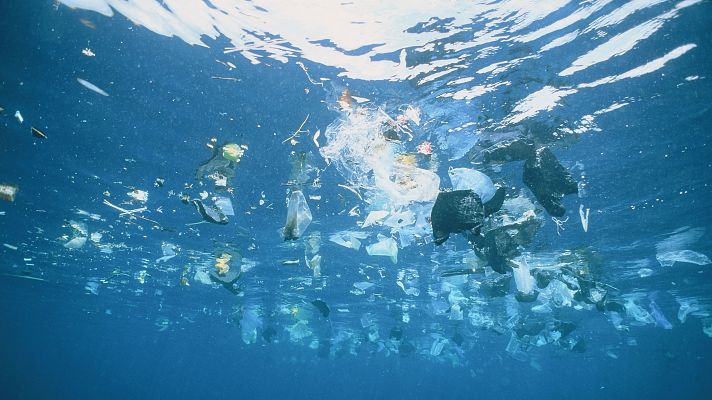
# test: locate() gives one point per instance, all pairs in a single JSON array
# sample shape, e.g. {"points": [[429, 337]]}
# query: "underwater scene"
{"points": [[360, 199]]}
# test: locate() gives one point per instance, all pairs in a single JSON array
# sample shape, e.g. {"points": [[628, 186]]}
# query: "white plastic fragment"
{"points": [[9, 246], [19, 117], [584, 217]]}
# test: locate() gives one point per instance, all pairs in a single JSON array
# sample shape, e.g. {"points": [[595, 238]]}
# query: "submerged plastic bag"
{"points": [[298, 216], [469, 179]]}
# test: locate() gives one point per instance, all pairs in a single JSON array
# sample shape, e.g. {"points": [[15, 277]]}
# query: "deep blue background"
{"points": [[58, 342]]}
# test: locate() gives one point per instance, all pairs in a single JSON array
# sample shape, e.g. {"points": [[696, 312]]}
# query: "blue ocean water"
{"points": [[133, 97]]}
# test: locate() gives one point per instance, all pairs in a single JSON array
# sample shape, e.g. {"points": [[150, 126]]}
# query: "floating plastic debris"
{"points": [[18, 117], [374, 217], [38, 133], [686, 307], [584, 217], [384, 247], [549, 181], [413, 114], [322, 307], [210, 213], [141, 276], [92, 287], [348, 239], [669, 258], [456, 211], [95, 237], [250, 323], [298, 215], [9, 246], [92, 87], [8, 192], [364, 285], [657, 313], [169, 251], [425, 148], [138, 195], [225, 205], [526, 284], [233, 152], [470, 179], [645, 272]]}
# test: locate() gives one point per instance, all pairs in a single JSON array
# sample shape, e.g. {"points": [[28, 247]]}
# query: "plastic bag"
{"points": [[298, 216], [469, 179]]}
